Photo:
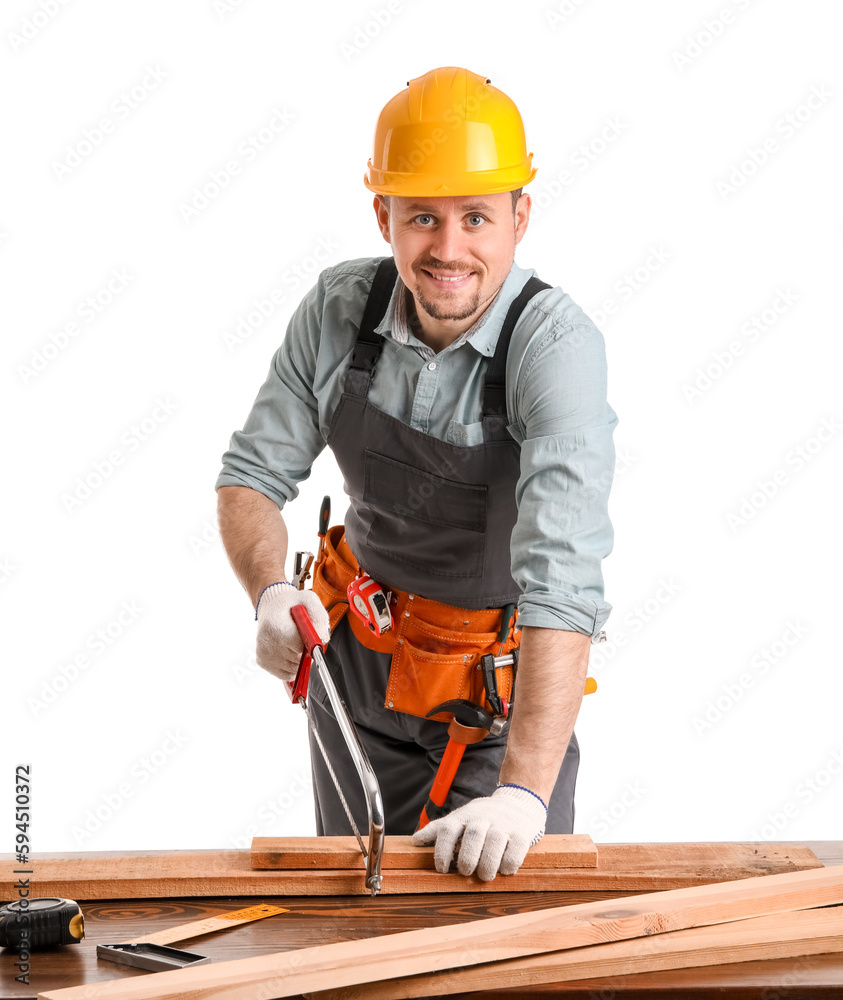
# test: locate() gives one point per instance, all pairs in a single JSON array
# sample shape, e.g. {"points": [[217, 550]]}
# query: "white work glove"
{"points": [[279, 646], [496, 832]]}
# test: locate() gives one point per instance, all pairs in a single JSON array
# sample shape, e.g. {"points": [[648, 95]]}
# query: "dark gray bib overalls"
{"points": [[434, 519], [427, 516]]}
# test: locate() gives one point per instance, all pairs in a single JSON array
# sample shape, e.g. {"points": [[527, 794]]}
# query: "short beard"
{"points": [[437, 311], [441, 311]]}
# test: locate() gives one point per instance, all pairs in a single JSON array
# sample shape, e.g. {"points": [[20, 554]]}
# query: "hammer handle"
{"points": [[444, 776]]}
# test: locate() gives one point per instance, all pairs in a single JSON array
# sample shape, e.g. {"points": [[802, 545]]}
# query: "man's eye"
{"points": [[476, 220], [422, 218]]}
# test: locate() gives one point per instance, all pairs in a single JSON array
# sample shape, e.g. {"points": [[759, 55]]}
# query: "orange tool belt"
{"points": [[436, 648]]}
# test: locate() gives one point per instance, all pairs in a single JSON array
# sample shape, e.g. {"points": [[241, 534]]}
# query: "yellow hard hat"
{"points": [[449, 133]]}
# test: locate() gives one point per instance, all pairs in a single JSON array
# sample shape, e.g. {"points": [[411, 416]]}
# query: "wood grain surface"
{"points": [[576, 850], [517, 935], [621, 868], [779, 935], [326, 919]]}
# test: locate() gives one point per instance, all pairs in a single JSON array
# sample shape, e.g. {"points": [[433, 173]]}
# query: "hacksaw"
{"points": [[313, 657]]}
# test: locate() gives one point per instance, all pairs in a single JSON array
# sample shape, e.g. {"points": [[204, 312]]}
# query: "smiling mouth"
{"points": [[448, 279]]}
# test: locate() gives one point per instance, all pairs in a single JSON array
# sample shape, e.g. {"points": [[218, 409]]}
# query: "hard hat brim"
{"points": [[407, 185]]}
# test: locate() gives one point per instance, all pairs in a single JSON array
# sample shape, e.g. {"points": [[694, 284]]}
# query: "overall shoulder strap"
{"points": [[494, 392], [358, 378]]}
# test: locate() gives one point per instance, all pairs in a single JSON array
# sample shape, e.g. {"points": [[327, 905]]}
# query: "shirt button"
{"points": [[431, 366]]}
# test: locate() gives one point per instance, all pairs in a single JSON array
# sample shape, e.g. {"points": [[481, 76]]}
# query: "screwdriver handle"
{"points": [[322, 531], [324, 516], [506, 623]]}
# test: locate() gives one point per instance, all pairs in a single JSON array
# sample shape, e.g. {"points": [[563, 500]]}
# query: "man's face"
{"points": [[453, 254]]}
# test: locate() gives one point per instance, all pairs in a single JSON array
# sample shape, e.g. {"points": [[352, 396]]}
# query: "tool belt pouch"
{"points": [[331, 576], [436, 648], [437, 657]]}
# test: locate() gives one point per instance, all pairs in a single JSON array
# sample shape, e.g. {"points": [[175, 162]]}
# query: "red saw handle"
{"points": [[310, 640]]}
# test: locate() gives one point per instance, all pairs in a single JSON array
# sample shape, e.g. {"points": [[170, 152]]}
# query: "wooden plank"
{"points": [[319, 920], [620, 868], [777, 935], [575, 850], [517, 935]]}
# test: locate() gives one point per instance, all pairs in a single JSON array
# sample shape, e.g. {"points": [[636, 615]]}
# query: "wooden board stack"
{"points": [[618, 868], [763, 917]]}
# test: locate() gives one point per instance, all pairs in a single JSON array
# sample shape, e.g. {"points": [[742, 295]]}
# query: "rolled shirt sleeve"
{"points": [[564, 425], [281, 437]]}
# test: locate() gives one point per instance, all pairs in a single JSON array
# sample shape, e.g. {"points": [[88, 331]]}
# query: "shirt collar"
{"points": [[482, 336]]}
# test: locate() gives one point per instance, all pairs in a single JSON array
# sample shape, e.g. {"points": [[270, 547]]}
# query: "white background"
{"points": [[169, 736]]}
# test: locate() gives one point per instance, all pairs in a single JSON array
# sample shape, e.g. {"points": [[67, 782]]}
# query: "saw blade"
{"points": [[312, 723]]}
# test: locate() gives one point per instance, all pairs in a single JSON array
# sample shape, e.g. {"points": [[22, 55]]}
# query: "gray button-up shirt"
{"points": [[556, 406]]}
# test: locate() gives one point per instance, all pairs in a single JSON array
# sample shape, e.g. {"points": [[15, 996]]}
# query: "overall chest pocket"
{"points": [[425, 520], [464, 435]]}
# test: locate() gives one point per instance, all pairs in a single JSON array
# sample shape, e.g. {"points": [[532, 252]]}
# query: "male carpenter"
{"points": [[466, 407]]}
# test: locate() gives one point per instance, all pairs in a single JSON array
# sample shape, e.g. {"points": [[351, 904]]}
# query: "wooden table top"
{"points": [[322, 920]]}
